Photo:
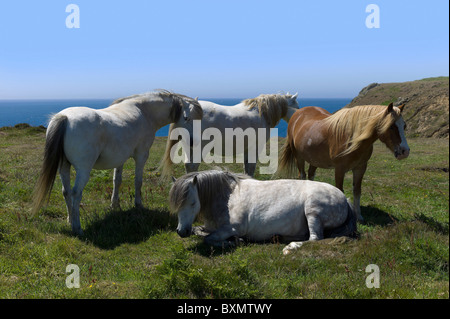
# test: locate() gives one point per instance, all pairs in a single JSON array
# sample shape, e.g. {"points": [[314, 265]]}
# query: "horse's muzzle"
{"points": [[184, 232], [401, 153]]}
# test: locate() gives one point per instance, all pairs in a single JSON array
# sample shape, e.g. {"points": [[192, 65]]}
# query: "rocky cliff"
{"points": [[426, 104]]}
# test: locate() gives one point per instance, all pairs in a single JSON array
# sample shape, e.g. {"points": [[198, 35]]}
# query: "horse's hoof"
{"points": [[77, 232], [292, 246], [199, 231], [115, 206]]}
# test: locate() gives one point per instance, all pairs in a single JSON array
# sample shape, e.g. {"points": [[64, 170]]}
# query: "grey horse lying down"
{"points": [[235, 205]]}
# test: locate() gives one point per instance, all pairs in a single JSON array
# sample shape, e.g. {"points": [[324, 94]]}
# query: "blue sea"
{"points": [[37, 112]]}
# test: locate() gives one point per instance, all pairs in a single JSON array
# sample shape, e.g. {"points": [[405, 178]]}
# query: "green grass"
{"points": [[436, 78], [136, 253]]}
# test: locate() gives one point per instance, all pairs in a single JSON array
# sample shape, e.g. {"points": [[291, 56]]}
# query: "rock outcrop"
{"points": [[427, 104]]}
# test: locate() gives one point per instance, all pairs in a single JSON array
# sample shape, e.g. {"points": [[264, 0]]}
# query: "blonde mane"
{"points": [[272, 107], [349, 127]]}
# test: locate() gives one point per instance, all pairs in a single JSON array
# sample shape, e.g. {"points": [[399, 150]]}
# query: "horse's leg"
{"points": [[312, 172], [249, 168], [116, 182], [339, 178], [139, 173], [220, 238], [64, 173], [191, 166], [315, 233], [80, 182], [294, 245], [314, 225], [358, 173], [200, 231], [301, 168]]}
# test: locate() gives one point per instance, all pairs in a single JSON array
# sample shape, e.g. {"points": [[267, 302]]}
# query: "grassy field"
{"points": [[137, 254]]}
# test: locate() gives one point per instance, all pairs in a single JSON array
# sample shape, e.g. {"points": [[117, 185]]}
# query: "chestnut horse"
{"points": [[343, 141]]}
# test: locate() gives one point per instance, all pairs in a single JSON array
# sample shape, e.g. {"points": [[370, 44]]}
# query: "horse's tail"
{"points": [[165, 167], [53, 155], [348, 228], [287, 164]]}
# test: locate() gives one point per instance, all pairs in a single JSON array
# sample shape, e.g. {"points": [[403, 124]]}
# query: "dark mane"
{"points": [[177, 102], [214, 187]]}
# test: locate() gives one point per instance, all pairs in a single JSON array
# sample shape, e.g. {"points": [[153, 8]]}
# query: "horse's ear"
{"points": [[196, 99], [390, 107], [194, 181], [401, 107], [294, 97], [174, 179]]}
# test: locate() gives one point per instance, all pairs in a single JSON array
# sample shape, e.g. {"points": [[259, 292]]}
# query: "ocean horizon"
{"points": [[37, 112]]}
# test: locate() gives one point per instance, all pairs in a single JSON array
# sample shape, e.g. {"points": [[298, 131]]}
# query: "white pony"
{"points": [[89, 139], [235, 205], [264, 111]]}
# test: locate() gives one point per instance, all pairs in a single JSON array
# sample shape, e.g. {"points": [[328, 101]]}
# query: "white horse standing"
{"points": [[233, 205], [89, 139], [264, 111]]}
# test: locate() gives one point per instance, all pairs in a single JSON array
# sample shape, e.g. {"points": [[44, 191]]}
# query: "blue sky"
{"points": [[210, 48]]}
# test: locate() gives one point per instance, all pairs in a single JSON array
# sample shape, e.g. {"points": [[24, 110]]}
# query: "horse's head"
{"points": [[274, 107], [184, 201], [184, 112], [292, 106], [394, 135], [190, 112]]}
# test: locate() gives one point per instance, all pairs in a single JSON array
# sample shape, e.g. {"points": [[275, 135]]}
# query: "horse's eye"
{"points": [[193, 204], [186, 118]]}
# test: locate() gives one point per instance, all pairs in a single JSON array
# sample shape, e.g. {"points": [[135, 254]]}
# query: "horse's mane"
{"points": [[176, 107], [271, 106], [349, 127], [212, 186]]}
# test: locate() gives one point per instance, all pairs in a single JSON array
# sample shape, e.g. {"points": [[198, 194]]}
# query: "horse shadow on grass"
{"points": [[372, 216], [375, 216], [132, 226], [205, 250], [116, 227]]}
